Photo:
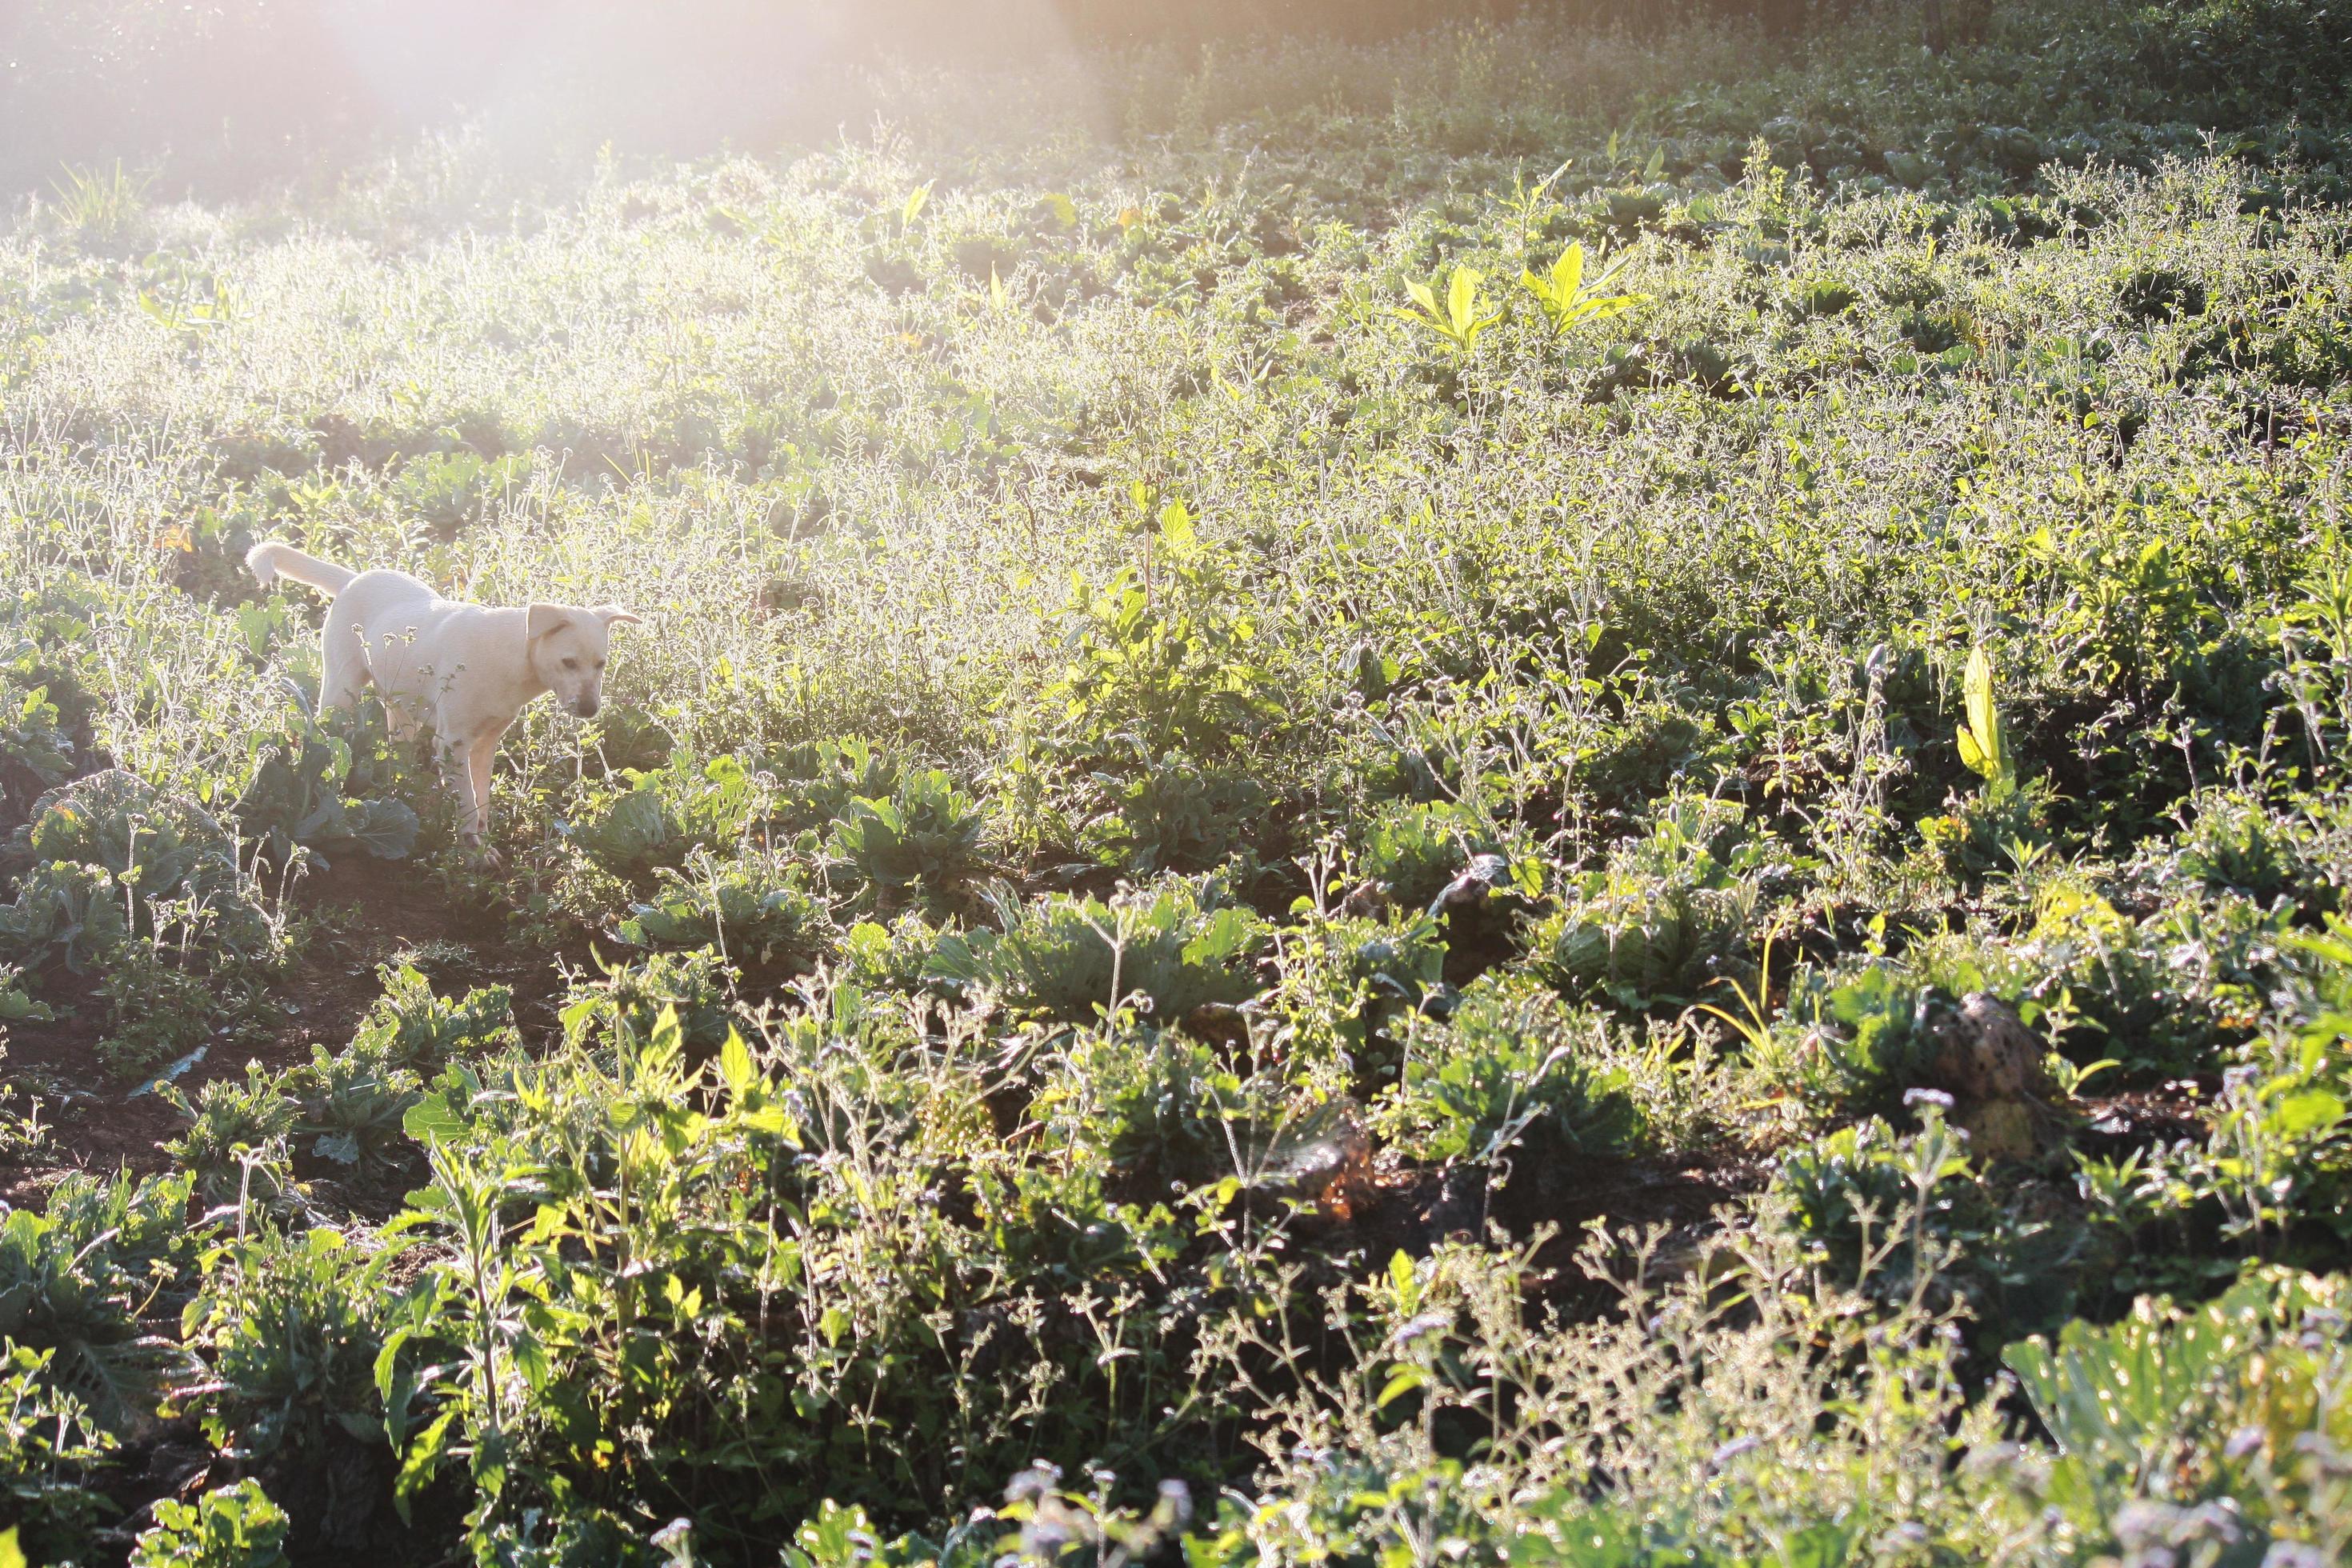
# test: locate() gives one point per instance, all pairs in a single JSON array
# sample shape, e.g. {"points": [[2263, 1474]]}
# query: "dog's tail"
{"points": [[272, 560]]}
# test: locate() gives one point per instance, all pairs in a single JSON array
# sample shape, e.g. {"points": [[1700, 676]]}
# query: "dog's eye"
{"points": [[570, 663]]}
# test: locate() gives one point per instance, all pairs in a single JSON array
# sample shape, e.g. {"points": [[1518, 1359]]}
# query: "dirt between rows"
{"points": [[104, 1124]]}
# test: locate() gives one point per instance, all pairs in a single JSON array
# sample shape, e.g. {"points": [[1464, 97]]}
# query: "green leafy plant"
{"points": [[1570, 299], [695, 989], [289, 1328], [103, 204], [412, 1027], [352, 1107], [758, 908], [924, 835], [1461, 319], [1984, 738], [35, 751], [108, 853], [295, 793], [666, 814], [1507, 1072], [1662, 920], [1413, 848], [77, 1278], [233, 1527], [1174, 943], [53, 1457], [1347, 983], [237, 1138], [2267, 1363]]}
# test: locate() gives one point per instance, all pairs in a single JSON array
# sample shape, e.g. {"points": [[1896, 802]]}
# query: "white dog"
{"points": [[461, 670]]}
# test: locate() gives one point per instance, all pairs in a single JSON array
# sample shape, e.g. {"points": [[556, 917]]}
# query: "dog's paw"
{"points": [[481, 854]]}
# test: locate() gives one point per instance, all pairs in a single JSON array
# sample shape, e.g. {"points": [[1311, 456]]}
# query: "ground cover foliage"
{"points": [[1522, 796]]}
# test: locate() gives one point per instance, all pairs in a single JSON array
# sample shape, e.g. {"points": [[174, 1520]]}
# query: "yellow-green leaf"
{"points": [[1977, 685], [735, 1064], [1972, 755], [1403, 1380], [1462, 299], [1568, 274]]}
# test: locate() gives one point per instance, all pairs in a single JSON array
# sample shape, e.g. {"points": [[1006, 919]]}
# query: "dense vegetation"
{"points": [[1522, 796]]}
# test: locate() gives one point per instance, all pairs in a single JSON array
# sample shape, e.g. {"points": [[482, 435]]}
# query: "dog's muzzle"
{"points": [[586, 707]]}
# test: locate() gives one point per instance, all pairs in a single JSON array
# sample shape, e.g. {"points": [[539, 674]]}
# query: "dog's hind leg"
{"points": [[346, 673]]}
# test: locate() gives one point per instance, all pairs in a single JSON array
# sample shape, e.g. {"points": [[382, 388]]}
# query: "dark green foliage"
{"points": [[1166, 1112], [35, 753], [923, 837], [2243, 843], [287, 1329], [352, 1107], [74, 1278], [818, 781], [2260, 1362], [759, 908], [1510, 1075], [1349, 984], [235, 1527], [1172, 944], [695, 988], [236, 1142], [411, 1026], [1890, 1214], [1416, 847], [52, 1455], [296, 792], [110, 856], [1664, 920], [665, 816]]}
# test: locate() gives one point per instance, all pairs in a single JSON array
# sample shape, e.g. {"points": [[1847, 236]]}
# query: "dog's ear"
{"points": [[614, 616], [541, 619]]}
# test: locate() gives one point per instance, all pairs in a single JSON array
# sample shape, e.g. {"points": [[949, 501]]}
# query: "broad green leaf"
{"points": [[422, 1459], [1403, 1380], [1972, 755], [1176, 523], [1977, 685], [2308, 1112], [735, 1065], [1462, 300], [431, 1120], [1568, 275]]}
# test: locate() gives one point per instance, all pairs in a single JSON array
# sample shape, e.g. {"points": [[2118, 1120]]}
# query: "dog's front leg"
{"points": [[479, 753], [466, 768]]}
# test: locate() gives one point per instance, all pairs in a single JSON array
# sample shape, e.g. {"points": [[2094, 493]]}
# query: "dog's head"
{"points": [[568, 648]]}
